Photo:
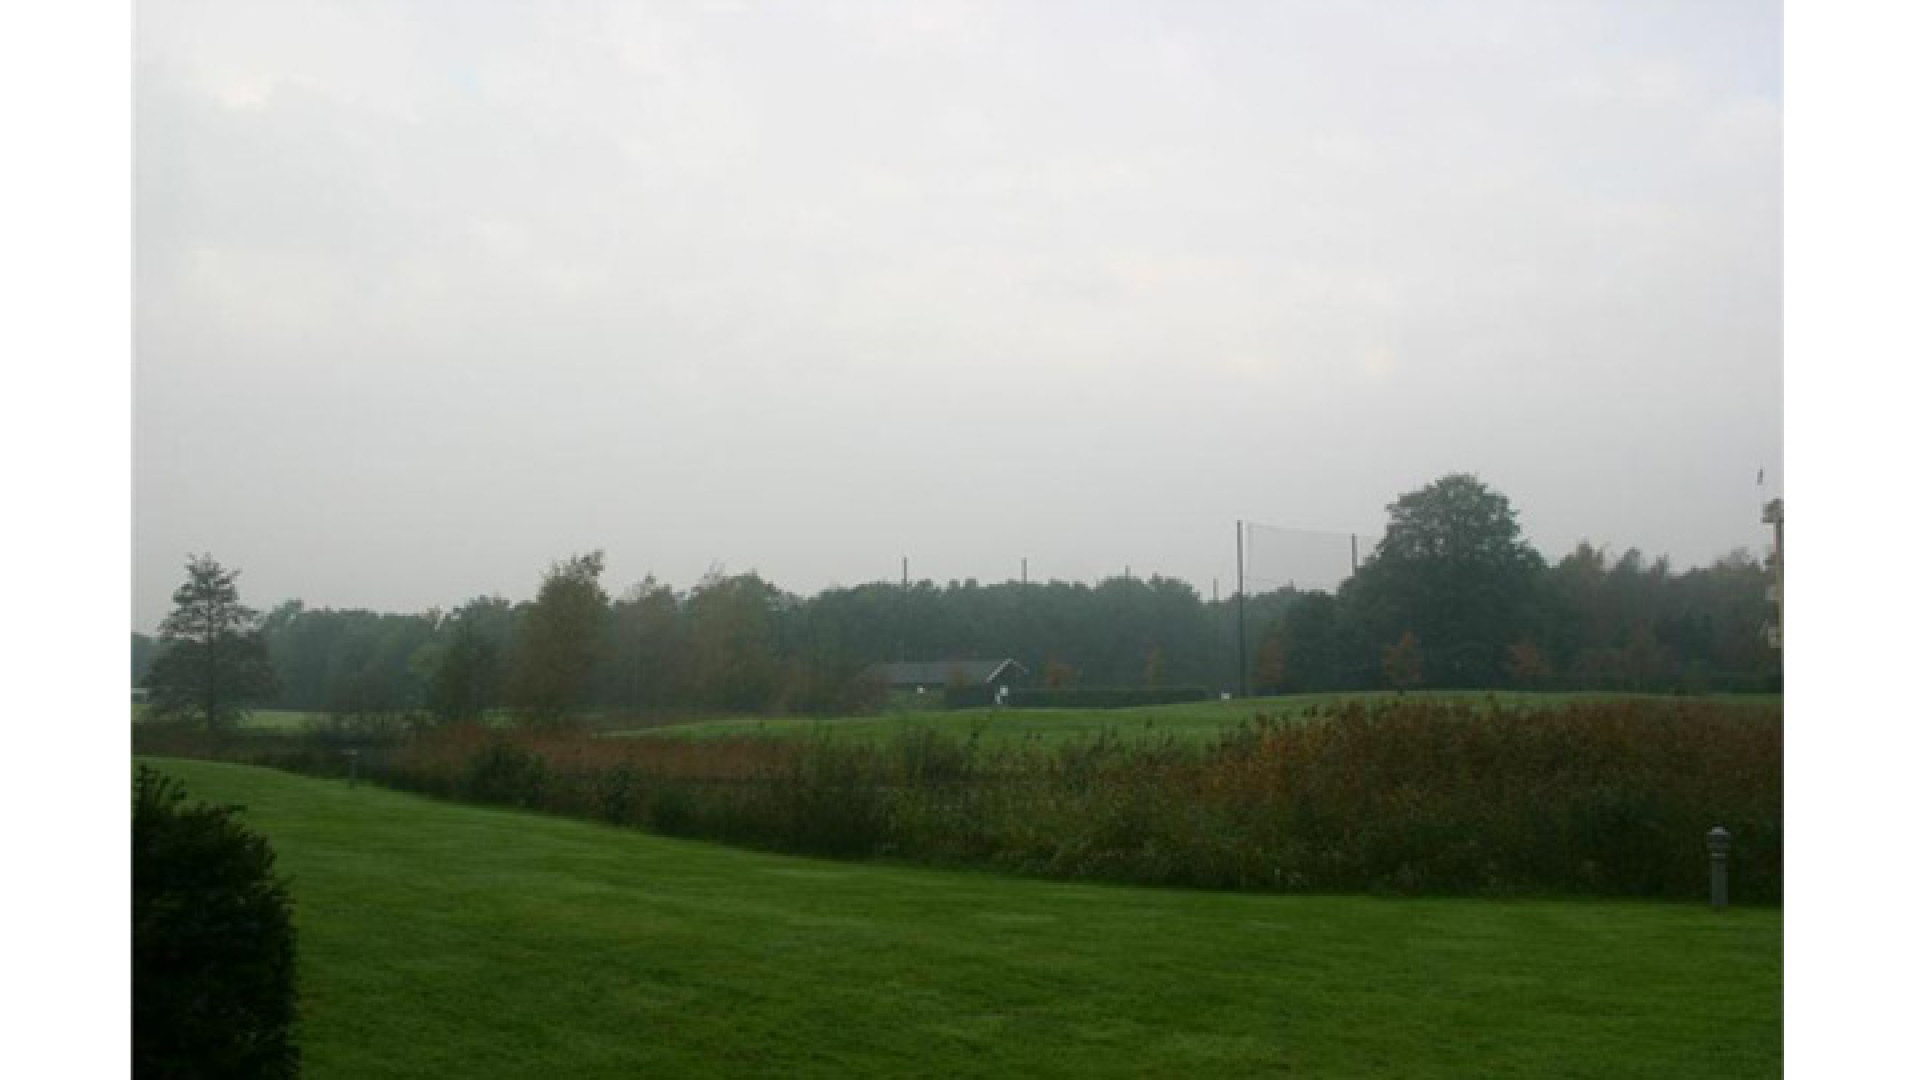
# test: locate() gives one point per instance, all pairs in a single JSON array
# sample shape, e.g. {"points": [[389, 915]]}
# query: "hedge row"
{"points": [[1088, 697], [1419, 798]]}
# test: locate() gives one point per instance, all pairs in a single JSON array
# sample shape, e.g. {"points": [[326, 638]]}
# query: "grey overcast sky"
{"points": [[428, 295]]}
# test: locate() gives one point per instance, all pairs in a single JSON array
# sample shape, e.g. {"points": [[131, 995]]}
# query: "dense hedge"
{"points": [[1104, 697], [971, 696], [1088, 697], [1074, 698], [1421, 798], [213, 943]]}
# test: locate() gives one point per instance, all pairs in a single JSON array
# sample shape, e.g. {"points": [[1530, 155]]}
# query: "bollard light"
{"points": [[1719, 842], [353, 767]]}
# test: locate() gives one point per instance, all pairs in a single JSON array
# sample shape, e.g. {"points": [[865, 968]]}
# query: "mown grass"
{"points": [[1198, 722], [271, 721], [439, 940]]}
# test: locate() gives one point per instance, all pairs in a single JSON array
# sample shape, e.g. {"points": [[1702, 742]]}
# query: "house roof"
{"points": [[940, 672]]}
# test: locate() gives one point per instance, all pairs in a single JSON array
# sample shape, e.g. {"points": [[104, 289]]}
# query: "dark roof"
{"points": [[940, 672]]}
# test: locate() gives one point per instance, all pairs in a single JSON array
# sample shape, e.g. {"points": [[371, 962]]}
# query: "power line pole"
{"points": [[901, 608]]}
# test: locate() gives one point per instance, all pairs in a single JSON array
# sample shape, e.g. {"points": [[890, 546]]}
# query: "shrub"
{"points": [[832, 691], [506, 774], [213, 943], [975, 696], [1103, 697], [1609, 798], [829, 803]]}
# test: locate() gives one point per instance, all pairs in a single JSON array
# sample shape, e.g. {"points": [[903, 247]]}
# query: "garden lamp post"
{"points": [[1719, 842]]}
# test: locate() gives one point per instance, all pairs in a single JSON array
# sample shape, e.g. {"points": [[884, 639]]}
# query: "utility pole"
{"points": [[1023, 569], [1354, 538], [903, 571], [1240, 569]]}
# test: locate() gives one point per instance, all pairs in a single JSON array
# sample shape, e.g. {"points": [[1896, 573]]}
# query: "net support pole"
{"points": [[1240, 569]]}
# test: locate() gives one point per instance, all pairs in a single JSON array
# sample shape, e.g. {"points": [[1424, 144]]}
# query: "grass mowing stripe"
{"points": [[439, 939]]}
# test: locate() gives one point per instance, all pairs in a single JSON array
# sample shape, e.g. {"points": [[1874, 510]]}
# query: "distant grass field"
{"points": [[264, 720], [441, 940], [1196, 721]]}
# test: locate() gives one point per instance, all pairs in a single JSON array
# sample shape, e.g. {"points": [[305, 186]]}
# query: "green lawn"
{"points": [[443, 940], [1197, 721]]}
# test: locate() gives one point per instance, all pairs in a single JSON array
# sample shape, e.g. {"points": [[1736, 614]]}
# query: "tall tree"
{"points": [[1456, 573], [561, 639], [467, 673], [733, 641], [647, 669], [144, 650], [215, 661], [1322, 646], [1270, 663]]}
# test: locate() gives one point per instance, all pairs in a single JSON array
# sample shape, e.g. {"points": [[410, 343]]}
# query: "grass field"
{"points": [[275, 721], [1197, 721], [442, 940]]}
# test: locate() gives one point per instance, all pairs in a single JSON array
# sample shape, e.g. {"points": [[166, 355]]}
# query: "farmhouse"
{"points": [[933, 674]]}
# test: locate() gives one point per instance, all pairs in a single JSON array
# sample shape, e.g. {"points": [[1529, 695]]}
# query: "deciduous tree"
{"points": [[1527, 665], [648, 668], [561, 638], [733, 640], [1270, 663], [1455, 571], [469, 672], [1403, 664]]}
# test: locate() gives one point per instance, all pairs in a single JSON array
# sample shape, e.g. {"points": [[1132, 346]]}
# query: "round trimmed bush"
{"points": [[213, 942]]}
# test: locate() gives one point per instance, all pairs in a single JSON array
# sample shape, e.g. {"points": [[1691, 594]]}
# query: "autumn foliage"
{"points": [[1412, 798]]}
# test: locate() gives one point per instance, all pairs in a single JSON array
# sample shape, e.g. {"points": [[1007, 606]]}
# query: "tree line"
{"points": [[1453, 597]]}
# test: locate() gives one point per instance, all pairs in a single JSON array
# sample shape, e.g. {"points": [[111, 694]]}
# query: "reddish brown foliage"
{"points": [[1606, 798]]}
